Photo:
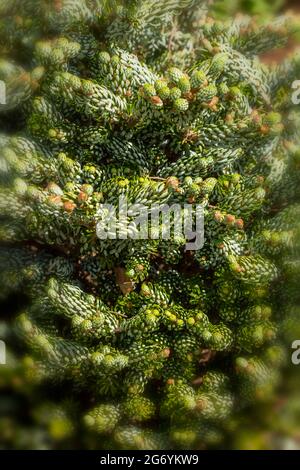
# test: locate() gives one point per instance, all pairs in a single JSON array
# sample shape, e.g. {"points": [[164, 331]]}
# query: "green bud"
{"points": [[207, 93], [149, 90], [184, 84], [104, 57], [198, 79], [175, 93], [174, 74], [181, 104]]}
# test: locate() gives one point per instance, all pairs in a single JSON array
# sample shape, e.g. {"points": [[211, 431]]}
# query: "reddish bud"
{"points": [[230, 219], [156, 100], [239, 223], [69, 206], [172, 182], [82, 196], [264, 129]]}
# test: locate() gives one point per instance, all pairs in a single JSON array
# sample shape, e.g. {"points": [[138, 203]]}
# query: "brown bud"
{"points": [[213, 104], [170, 382], [58, 5], [156, 100], [188, 96], [229, 118], [216, 50], [201, 404], [172, 182], [82, 196], [123, 281], [239, 223], [239, 269], [190, 136], [69, 206], [230, 219], [264, 129], [165, 352]]}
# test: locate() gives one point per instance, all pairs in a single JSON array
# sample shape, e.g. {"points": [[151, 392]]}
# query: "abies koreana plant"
{"points": [[141, 344]]}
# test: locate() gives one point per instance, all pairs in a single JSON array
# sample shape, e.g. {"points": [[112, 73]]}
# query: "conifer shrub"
{"points": [[140, 343]]}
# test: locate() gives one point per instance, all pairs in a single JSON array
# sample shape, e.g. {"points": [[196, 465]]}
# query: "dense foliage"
{"points": [[141, 343]]}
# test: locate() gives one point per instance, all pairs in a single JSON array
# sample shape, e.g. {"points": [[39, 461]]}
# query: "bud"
{"points": [[69, 206], [172, 182]]}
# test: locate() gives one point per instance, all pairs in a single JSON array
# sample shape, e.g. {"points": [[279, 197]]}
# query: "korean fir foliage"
{"points": [[146, 344]]}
